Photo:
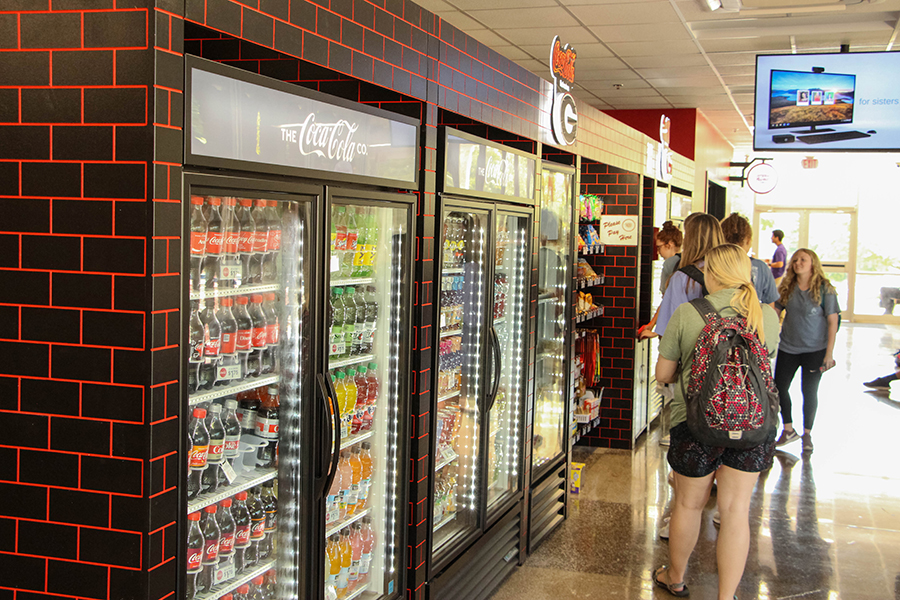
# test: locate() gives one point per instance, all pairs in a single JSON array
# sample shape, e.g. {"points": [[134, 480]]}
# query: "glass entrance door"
{"points": [[509, 373], [830, 233]]}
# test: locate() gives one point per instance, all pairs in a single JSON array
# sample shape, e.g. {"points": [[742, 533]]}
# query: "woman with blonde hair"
{"points": [[702, 233], [727, 277], [807, 339]]}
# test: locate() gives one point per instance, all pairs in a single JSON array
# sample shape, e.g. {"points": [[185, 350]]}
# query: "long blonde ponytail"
{"points": [[730, 266]]}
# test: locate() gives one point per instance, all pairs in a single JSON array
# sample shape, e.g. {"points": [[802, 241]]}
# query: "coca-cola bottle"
{"points": [[270, 355], [270, 506], [232, 431], [215, 239], [256, 590], [258, 335], [196, 341], [229, 365], [246, 236], [273, 243], [242, 529], [211, 479], [244, 341], [212, 330], [199, 440], [230, 259], [211, 537], [243, 592], [195, 545], [260, 241], [228, 528], [257, 528], [267, 428], [216, 429], [199, 227], [248, 410]]}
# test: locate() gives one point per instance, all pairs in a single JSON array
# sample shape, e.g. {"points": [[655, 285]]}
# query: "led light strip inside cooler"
{"points": [[473, 486], [396, 303], [516, 375]]}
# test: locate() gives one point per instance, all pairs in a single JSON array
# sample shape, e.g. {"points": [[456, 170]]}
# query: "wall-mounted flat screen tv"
{"points": [[827, 102]]}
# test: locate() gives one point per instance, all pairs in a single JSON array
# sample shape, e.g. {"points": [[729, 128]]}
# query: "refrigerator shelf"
{"points": [[499, 320], [229, 390], [444, 521], [451, 332], [337, 364], [448, 395], [242, 482], [589, 282], [238, 291], [449, 457], [357, 592], [352, 281], [346, 522], [233, 584], [350, 440], [451, 271]]}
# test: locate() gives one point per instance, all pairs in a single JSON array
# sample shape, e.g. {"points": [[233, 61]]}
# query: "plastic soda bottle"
{"points": [[355, 555], [346, 555], [346, 481], [355, 478], [368, 542], [333, 500], [349, 405], [365, 482], [334, 561], [349, 319]]}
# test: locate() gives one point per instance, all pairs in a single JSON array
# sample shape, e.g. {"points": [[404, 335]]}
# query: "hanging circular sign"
{"points": [[761, 178]]}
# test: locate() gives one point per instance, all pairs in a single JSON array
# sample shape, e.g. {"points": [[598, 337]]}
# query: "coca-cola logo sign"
{"points": [[244, 117], [562, 59], [498, 172]]}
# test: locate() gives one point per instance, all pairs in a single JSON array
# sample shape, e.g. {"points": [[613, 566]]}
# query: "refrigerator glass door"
{"points": [[463, 298], [511, 284], [247, 370], [366, 326], [554, 283]]}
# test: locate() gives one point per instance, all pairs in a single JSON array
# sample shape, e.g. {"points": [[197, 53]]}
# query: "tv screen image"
{"points": [[798, 99], [827, 102]]}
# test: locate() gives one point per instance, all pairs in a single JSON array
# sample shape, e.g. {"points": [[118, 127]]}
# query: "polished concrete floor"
{"points": [[822, 528]]}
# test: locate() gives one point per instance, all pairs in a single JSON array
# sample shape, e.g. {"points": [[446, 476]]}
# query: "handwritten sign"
{"points": [[619, 230]]}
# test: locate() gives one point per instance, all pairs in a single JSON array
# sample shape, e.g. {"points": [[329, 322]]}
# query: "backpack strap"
{"points": [[705, 308], [695, 274]]}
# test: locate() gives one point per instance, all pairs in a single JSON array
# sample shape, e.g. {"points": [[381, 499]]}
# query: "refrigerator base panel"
{"points": [[548, 507], [478, 572]]}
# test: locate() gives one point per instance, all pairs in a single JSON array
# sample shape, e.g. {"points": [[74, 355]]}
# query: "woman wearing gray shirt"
{"points": [[807, 339]]}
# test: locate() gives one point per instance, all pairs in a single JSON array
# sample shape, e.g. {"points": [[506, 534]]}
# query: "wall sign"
{"points": [[272, 125], [619, 230], [664, 155], [762, 178], [563, 113], [475, 166]]}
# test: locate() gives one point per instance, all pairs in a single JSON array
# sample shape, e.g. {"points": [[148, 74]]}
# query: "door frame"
{"points": [[848, 266]]}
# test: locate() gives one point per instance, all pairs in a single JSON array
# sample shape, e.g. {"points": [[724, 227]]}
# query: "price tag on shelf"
{"points": [[228, 373], [229, 472], [224, 571], [332, 515]]}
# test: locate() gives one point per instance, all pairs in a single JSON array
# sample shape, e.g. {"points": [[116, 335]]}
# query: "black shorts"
{"points": [[691, 458]]}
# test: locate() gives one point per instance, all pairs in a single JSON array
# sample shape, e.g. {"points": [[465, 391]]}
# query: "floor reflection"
{"points": [[826, 528]]}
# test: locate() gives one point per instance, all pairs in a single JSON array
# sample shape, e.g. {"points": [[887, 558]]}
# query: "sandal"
{"points": [[676, 589]]}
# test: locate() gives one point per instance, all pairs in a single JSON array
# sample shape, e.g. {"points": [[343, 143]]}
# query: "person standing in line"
{"points": [[779, 258], [807, 339], [668, 246], [727, 277], [737, 231]]}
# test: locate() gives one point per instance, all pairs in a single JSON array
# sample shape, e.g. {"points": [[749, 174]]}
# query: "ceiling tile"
{"points": [[435, 6], [481, 4], [544, 36], [511, 52], [490, 39], [757, 44], [650, 31], [626, 13], [509, 18], [585, 76], [606, 89], [586, 51], [628, 49], [670, 60], [704, 70], [462, 21], [620, 103]]}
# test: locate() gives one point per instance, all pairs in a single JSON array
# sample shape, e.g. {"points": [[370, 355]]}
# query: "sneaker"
{"points": [[807, 442], [787, 437], [882, 383], [664, 530]]}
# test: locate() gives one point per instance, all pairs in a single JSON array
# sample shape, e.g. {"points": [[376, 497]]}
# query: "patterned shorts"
{"points": [[691, 458]]}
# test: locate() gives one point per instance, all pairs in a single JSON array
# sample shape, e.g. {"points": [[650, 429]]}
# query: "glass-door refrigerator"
{"points": [[296, 383], [362, 494], [481, 371], [250, 292]]}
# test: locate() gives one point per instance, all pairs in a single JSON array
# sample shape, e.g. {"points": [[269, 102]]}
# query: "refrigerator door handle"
{"points": [[329, 398], [495, 343]]}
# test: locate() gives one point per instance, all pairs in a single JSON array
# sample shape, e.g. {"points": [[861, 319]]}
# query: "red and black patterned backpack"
{"points": [[731, 397]]}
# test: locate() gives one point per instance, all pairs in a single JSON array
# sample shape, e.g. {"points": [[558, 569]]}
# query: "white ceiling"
{"points": [[672, 53]]}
